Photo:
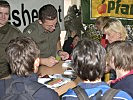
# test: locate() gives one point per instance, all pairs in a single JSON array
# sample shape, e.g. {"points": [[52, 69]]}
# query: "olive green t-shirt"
{"points": [[47, 41]]}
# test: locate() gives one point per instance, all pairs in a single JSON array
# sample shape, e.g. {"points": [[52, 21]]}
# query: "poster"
{"points": [[121, 9], [24, 12]]}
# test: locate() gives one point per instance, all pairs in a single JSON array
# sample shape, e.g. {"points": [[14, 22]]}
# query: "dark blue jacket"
{"points": [[92, 88], [43, 93], [125, 84]]}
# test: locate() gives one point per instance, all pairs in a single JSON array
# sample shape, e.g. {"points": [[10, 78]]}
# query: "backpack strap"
{"points": [[34, 87], [97, 96], [82, 95], [109, 94], [7, 83]]}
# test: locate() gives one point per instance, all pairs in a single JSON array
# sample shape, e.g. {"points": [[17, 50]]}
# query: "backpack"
{"points": [[108, 95], [27, 94]]}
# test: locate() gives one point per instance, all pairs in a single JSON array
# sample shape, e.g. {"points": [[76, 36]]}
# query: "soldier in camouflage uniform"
{"points": [[46, 32], [7, 33]]}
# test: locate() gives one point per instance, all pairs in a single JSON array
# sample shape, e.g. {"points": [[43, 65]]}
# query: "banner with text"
{"points": [[122, 9], [24, 12]]}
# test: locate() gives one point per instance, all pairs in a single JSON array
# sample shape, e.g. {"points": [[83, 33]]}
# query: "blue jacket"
{"points": [[125, 84], [92, 88], [43, 93]]}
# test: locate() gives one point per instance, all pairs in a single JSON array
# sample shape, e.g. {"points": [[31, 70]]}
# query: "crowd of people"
{"points": [[89, 61], [21, 54]]}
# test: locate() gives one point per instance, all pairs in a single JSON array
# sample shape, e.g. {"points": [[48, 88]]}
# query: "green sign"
{"points": [[121, 9]]}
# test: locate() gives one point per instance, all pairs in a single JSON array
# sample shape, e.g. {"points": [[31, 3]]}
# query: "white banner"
{"points": [[24, 12]]}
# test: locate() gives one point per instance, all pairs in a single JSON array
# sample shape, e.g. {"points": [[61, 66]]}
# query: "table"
{"points": [[58, 69]]}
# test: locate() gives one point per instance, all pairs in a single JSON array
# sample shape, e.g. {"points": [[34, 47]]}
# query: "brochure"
{"points": [[54, 81]]}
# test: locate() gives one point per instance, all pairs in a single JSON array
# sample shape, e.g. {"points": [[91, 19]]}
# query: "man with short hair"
{"points": [[120, 58], [46, 32], [7, 33], [23, 56]]}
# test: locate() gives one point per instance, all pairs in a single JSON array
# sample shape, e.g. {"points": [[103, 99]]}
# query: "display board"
{"points": [[121, 9], [24, 12]]}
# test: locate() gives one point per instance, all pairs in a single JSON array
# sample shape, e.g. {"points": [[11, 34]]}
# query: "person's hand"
{"points": [[109, 82], [50, 61], [63, 55]]}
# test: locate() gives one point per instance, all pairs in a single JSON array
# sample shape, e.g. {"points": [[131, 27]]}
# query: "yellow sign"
{"points": [[115, 8]]}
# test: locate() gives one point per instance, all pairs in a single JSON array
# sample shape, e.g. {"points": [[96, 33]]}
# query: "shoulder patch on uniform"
{"points": [[29, 31]]}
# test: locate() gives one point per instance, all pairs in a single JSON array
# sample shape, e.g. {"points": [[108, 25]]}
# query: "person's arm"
{"points": [[50, 61], [60, 52], [59, 44]]}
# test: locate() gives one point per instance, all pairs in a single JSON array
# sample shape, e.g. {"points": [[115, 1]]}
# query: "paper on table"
{"points": [[67, 63], [43, 80], [57, 79]]}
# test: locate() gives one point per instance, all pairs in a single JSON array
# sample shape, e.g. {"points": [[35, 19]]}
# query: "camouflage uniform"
{"points": [[7, 33], [47, 41]]}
